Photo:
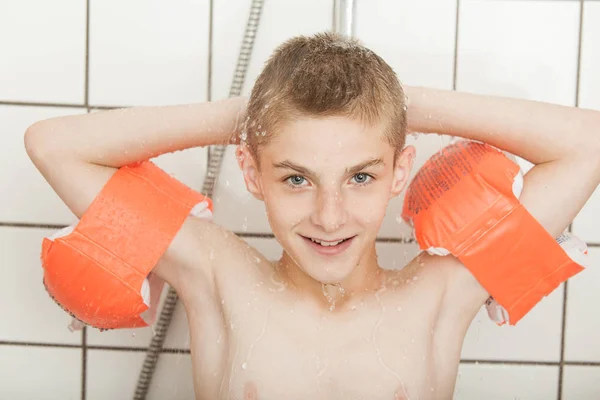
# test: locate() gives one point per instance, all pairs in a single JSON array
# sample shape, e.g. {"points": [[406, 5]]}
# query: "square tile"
{"points": [[114, 375], [421, 56], [162, 59], [280, 20], [499, 53], [589, 88], [43, 52], [41, 373], [28, 313], [536, 337], [582, 342], [501, 382], [580, 383], [31, 198], [585, 224]]}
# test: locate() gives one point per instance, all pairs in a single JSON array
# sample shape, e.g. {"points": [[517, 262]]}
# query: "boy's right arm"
{"points": [[77, 155]]}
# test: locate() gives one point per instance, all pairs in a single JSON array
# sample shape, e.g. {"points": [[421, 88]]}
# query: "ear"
{"points": [[402, 168], [249, 168]]}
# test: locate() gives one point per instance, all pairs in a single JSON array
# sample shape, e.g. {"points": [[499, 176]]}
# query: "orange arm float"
{"points": [[464, 201], [99, 271]]}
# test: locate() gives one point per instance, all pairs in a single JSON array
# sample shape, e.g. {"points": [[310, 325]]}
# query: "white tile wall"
{"points": [[582, 341], [580, 382], [27, 197], [501, 382], [535, 338], [280, 20], [589, 96], [113, 375], [27, 312], [525, 49], [42, 51], [417, 42], [41, 373], [586, 223], [148, 53]]}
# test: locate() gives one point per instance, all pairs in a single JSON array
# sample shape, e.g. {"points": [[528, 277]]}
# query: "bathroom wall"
{"points": [[72, 57]]}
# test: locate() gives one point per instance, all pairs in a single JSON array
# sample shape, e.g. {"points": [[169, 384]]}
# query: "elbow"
{"points": [[37, 141]]}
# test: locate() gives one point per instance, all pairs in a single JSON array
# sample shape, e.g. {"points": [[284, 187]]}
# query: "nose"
{"points": [[330, 213]]}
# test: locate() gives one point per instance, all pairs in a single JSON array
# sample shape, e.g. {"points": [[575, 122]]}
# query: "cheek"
{"points": [[286, 209], [369, 207]]}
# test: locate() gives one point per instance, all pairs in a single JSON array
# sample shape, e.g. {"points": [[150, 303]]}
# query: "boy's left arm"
{"points": [[562, 142]]}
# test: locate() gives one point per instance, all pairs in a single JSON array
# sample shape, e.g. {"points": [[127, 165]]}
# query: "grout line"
{"points": [[210, 50], [579, 51], [138, 349], [563, 331], [30, 225], [60, 105], [86, 99], [34, 104], [83, 363], [454, 72], [39, 344], [87, 106], [510, 362], [104, 108]]}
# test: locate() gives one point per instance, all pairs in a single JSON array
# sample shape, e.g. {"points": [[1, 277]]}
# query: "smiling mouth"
{"points": [[328, 243]]}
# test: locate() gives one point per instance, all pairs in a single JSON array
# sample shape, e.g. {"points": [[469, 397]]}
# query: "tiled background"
{"points": [[151, 52]]}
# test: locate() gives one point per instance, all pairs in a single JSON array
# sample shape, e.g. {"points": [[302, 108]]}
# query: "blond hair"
{"points": [[324, 75]]}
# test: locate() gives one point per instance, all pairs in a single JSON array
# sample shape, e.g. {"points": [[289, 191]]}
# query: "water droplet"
{"points": [[133, 334], [244, 366], [244, 136]]}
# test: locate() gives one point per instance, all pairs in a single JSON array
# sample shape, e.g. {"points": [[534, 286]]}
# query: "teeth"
{"points": [[327, 244]]}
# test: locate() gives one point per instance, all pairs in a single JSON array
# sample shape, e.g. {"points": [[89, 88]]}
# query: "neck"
{"points": [[366, 277]]}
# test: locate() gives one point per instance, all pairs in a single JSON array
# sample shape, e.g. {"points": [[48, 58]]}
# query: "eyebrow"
{"points": [[349, 171]]}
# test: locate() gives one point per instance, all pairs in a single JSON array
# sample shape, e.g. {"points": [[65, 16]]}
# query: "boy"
{"points": [[322, 143]]}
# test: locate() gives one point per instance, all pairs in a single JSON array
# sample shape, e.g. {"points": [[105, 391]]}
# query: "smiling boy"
{"points": [[321, 141]]}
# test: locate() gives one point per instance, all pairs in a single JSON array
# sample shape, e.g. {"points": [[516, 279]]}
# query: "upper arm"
{"points": [[553, 194], [188, 261]]}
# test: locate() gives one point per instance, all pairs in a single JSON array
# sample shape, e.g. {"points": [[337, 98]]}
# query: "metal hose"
{"points": [[215, 159]]}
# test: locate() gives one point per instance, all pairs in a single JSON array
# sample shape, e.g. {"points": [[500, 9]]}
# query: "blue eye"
{"points": [[296, 180], [361, 178]]}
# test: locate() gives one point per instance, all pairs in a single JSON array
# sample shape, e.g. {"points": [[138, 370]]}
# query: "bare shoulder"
{"points": [[200, 255], [462, 295]]}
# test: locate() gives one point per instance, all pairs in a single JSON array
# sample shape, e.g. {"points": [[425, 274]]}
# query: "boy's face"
{"points": [[326, 184]]}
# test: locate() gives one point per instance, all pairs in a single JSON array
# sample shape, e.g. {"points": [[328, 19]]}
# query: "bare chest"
{"points": [[376, 351]]}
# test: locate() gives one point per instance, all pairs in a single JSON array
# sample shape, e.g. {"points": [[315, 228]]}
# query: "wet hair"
{"points": [[321, 76]]}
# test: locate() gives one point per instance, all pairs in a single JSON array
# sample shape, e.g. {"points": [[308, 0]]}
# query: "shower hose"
{"points": [[215, 158]]}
